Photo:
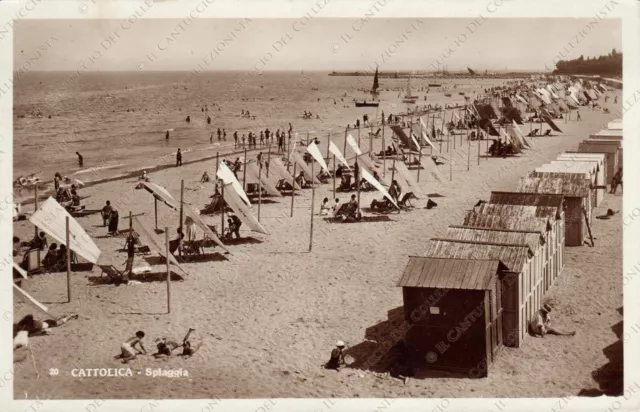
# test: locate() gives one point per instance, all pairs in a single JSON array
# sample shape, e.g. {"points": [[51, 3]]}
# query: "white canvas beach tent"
{"points": [[21, 294], [51, 218], [163, 195], [234, 201], [372, 180], [278, 169], [148, 238], [227, 177], [254, 175], [303, 167]]}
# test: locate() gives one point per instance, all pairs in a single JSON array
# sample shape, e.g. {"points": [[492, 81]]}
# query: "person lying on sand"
{"points": [[165, 347], [337, 357], [540, 324], [129, 352], [40, 327], [205, 177]]}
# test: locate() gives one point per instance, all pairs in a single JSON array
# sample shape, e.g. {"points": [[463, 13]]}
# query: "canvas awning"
{"points": [[253, 174], [161, 194], [51, 218], [19, 293], [411, 181], [227, 177], [242, 211], [277, 168], [304, 167], [149, 239]]}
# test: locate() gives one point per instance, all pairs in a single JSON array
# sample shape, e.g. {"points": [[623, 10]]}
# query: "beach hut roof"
{"points": [[493, 221], [532, 239], [551, 172], [608, 133], [533, 199], [583, 157], [514, 257], [430, 272], [518, 210], [565, 185], [577, 165], [611, 145]]}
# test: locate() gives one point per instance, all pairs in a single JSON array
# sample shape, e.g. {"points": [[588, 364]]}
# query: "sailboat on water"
{"points": [[409, 98], [374, 92]]}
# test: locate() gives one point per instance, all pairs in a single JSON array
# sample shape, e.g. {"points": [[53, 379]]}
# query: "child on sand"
{"points": [[165, 347], [129, 352]]}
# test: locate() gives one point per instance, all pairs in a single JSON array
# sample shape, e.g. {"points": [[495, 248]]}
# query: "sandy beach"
{"points": [[269, 314]]}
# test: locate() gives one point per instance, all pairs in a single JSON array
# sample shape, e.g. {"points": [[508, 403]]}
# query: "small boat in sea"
{"points": [[461, 93], [409, 97], [447, 94], [434, 85], [374, 92]]}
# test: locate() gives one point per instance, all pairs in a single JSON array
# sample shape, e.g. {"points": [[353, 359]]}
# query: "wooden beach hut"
{"points": [[454, 307], [574, 171], [554, 237], [615, 124], [610, 148], [576, 199], [516, 280], [607, 134], [600, 160]]}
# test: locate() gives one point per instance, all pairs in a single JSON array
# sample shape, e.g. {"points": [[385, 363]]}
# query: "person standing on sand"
{"points": [[178, 158], [80, 160], [261, 137], [211, 138], [235, 139], [57, 178], [224, 134], [219, 134], [166, 136], [579, 118], [243, 139]]}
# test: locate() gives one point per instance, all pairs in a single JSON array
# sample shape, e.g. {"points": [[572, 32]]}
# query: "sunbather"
{"points": [[301, 181], [336, 360], [41, 327], [166, 347], [205, 177], [106, 213]]}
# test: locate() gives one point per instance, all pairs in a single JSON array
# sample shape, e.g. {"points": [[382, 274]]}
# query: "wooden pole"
{"points": [[293, 187], [328, 141], [130, 222], [268, 159], [222, 211], [259, 189], [586, 219], [393, 169], [313, 199], [155, 210], [334, 177], [166, 236], [68, 261], [384, 155], [217, 162], [358, 179], [307, 138], [35, 209], [479, 141], [344, 149], [244, 171], [359, 145], [181, 212], [468, 152], [35, 228]]}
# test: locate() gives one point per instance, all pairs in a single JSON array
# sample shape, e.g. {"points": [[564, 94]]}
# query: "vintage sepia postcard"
{"points": [[319, 205]]}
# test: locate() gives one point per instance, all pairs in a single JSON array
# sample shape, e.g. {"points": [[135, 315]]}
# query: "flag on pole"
{"points": [[336, 152], [315, 152]]}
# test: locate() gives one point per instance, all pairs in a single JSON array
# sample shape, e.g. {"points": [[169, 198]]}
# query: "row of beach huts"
{"points": [[475, 289]]}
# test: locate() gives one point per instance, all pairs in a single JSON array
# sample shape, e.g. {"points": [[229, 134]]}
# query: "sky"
{"points": [[309, 44]]}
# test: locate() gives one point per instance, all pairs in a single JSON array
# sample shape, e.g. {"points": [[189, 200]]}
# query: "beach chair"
{"points": [[547, 133], [111, 271], [376, 134]]}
